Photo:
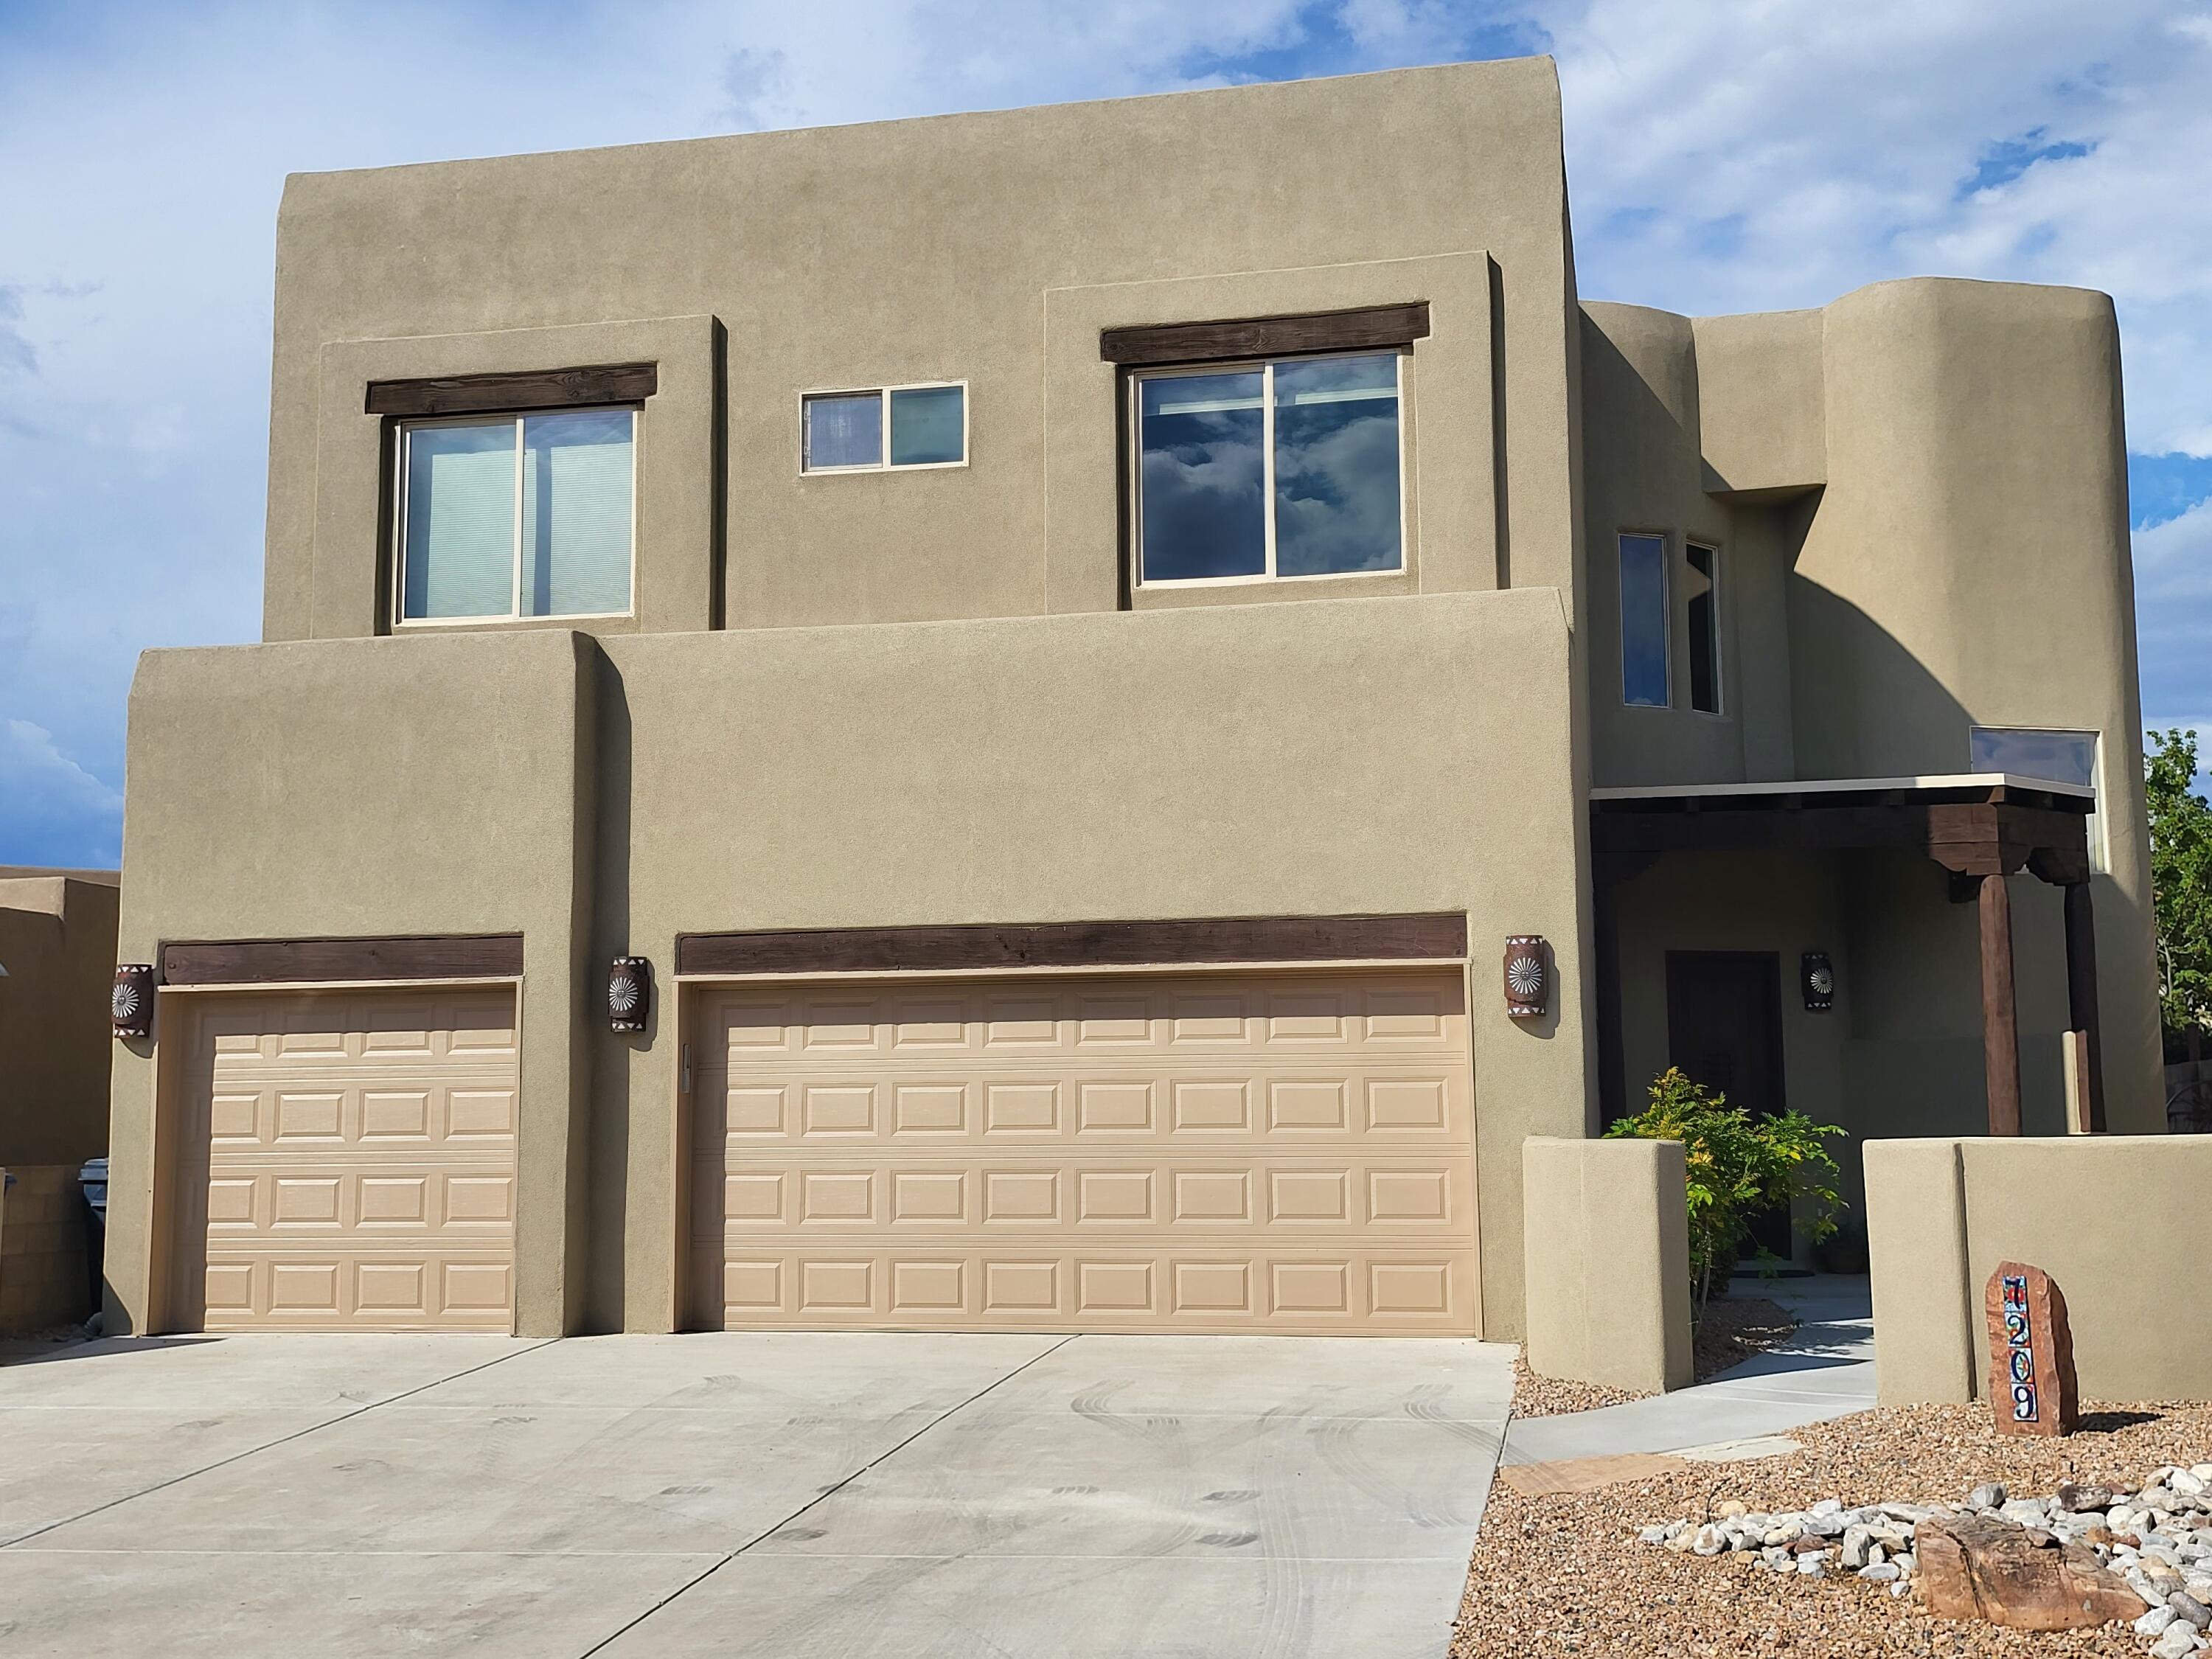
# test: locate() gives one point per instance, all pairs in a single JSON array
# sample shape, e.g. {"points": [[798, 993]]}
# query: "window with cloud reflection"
{"points": [[1286, 469], [1204, 482]]}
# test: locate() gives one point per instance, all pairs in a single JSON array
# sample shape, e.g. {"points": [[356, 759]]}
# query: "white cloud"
{"points": [[1754, 155]]}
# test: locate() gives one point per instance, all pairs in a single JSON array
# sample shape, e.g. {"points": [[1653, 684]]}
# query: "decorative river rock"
{"points": [[2031, 1385]]}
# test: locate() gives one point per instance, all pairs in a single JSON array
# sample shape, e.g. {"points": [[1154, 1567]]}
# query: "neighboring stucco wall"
{"points": [[57, 944], [1608, 1263], [1339, 757], [1945, 1213], [861, 255], [43, 1279], [1920, 497]]}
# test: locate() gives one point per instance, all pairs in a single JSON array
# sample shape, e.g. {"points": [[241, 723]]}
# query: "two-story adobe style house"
{"points": [[946, 725]]}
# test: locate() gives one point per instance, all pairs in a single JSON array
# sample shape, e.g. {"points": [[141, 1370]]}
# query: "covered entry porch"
{"points": [[1854, 950]]}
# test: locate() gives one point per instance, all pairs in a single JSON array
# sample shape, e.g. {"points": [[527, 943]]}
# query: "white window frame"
{"points": [[1266, 366], [2094, 828], [402, 430], [1666, 541], [883, 428], [1720, 709]]}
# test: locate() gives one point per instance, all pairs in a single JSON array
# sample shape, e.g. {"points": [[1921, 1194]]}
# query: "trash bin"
{"points": [[93, 1178]]}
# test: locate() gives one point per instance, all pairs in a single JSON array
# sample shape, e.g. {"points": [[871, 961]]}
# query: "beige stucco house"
{"points": [[1068, 653]]}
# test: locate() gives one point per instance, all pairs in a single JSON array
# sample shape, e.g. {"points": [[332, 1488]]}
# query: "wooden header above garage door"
{"points": [[342, 961], [1429, 937]]}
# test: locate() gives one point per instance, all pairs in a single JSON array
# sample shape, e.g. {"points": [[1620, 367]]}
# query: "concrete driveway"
{"points": [[773, 1495]]}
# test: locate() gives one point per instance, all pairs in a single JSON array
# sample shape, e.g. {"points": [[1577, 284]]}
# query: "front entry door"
{"points": [[1724, 1030]]}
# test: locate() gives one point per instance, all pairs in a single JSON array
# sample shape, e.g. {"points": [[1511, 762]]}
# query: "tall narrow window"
{"points": [[1704, 585], [1276, 470], [1644, 621], [517, 515]]}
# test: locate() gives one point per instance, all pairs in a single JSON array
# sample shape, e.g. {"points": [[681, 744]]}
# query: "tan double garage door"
{"points": [[1245, 1151], [1233, 1151], [347, 1161]]}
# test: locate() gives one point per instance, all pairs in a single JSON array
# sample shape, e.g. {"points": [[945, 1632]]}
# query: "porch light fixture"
{"points": [[629, 993], [1816, 977], [1528, 976], [131, 1004]]}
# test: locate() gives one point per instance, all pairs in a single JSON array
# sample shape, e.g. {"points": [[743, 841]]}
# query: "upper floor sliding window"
{"points": [[510, 516], [1270, 471]]}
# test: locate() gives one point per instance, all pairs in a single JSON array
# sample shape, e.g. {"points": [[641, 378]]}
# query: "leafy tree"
{"points": [[1739, 1166], [2180, 879]]}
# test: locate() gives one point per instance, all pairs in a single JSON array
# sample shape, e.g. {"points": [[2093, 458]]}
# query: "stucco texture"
{"points": [[1334, 757], [58, 945], [925, 250], [1919, 496], [1944, 1213], [1608, 1263]]}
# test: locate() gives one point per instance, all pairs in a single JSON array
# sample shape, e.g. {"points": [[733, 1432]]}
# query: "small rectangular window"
{"points": [[1705, 585], [1644, 621], [517, 515], [1279, 469], [846, 431]]}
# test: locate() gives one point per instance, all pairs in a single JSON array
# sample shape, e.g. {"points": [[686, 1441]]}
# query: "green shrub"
{"points": [[1739, 1166]]}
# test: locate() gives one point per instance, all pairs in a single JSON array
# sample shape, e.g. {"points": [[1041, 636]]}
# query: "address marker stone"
{"points": [[2033, 1390]]}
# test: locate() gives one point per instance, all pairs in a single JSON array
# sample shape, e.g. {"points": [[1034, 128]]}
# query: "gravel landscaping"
{"points": [[1734, 1330], [1557, 1575]]}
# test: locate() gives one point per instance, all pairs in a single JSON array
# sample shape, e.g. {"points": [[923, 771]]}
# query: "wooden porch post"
{"points": [[2081, 994], [2000, 1016]]}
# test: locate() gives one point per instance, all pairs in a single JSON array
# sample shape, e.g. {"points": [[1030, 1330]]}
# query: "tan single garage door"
{"points": [[348, 1161], [1232, 1152]]}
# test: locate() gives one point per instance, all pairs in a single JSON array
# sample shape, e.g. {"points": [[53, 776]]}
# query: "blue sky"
{"points": [[1724, 154]]}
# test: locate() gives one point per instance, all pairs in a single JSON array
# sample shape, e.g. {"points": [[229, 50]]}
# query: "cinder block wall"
{"points": [[1608, 1249], [42, 1267], [1942, 1213]]}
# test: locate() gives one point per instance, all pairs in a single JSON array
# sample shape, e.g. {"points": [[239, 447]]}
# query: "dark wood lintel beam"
{"points": [[317, 961], [483, 394], [1434, 936], [1369, 328]]}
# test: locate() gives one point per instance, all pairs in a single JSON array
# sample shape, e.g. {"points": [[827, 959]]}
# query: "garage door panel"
{"points": [[1235, 1151], [358, 1153], [1303, 1292], [1185, 1103]]}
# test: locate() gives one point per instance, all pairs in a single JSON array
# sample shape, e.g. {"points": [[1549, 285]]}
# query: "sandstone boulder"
{"points": [[1975, 1567]]}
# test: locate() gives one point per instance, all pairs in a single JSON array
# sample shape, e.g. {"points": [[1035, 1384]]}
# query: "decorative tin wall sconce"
{"points": [[629, 993], [1528, 976], [130, 1005], [1816, 977]]}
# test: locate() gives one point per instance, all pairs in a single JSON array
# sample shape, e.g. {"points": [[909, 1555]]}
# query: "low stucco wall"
{"points": [[1608, 1246], [43, 1281], [1942, 1213], [57, 944]]}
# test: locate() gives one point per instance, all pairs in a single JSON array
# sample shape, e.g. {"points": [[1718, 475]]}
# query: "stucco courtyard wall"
{"points": [[1608, 1263], [1332, 757], [1942, 1213]]}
